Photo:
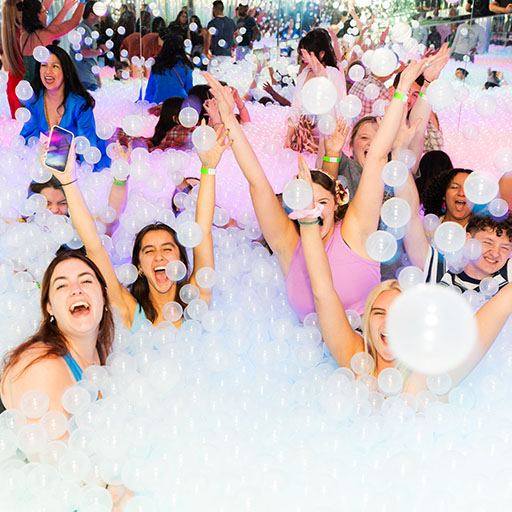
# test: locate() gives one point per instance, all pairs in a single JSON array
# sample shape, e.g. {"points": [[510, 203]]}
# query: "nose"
{"points": [[54, 209]]}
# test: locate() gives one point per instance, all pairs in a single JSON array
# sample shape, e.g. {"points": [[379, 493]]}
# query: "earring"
{"points": [[52, 319], [141, 274], [443, 208]]}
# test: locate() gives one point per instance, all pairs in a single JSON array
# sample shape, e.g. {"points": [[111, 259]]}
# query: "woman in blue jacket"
{"points": [[61, 99], [171, 74]]}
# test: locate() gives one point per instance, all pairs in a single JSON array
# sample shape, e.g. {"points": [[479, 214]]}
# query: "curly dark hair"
{"points": [[487, 223], [433, 198]]}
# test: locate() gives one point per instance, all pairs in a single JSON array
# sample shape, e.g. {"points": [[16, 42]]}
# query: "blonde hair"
{"points": [[10, 41], [369, 345]]}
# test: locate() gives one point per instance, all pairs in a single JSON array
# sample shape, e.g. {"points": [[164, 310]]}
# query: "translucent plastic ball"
{"points": [[319, 95], [410, 276], [120, 169], [24, 90], [384, 62], [34, 404], [298, 194], [498, 207], [485, 106], [104, 129], [480, 188], [379, 107], [326, 124], [206, 278], [82, 144], [350, 106], [431, 329], [411, 46], [221, 43], [23, 115], [204, 138], [133, 124], [100, 9], [75, 399], [439, 384], [381, 246], [188, 117], [92, 155], [408, 157], [450, 237], [172, 311], [395, 212], [41, 53], [371, 91], [193, 27], [74, 37], [470, 132], [441, 94], [431, 222], [489, 286], [189, 292], [127, 274], [502, 160], [356, 73], [390, 381], [190, 234], [394, 173], [362, 363], [401, 32], [176, 270], [472, 249]]}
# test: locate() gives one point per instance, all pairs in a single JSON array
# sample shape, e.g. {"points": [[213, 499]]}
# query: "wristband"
{"points": [[399, 96], [84, 2], [205, 170], [64, 184], [120, 183], [302, 223], [421, 95], [425, 80], [332, 159], [310, 214]]}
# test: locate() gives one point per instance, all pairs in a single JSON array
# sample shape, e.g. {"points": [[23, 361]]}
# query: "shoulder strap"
{"points": [[179, 78]]}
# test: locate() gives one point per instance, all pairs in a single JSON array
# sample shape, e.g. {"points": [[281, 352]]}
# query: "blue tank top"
{"points": [[74, 367], [139, 319]]}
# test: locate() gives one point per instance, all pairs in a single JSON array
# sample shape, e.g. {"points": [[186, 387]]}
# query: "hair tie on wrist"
{"points": [[64, 184], [313, 213], [425, 80], [302, 223]]}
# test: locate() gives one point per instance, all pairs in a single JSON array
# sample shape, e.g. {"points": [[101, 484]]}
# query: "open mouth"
{"points": [[79, 309], [49, 80], [160, 275], [491, 261], [384, 338]]}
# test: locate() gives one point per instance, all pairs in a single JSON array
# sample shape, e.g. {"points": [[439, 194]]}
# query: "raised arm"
{"points": [[58, 27], [362, 217], [342, 340], [86, 229], [276, 227], [331, 148], [203, 253]]}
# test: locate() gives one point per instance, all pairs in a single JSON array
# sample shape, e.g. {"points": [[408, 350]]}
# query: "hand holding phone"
{"points": [[59, 146]]}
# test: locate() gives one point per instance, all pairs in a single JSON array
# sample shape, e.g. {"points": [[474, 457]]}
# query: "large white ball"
{"points": [[298, 194], [431, 329], [319, 95], [480, 188]]}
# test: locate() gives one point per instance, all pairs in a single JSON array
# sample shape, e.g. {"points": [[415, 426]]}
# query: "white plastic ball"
{"points": [[206, 278], [394, 173], [486, 106], [480, 188], [362, 363], [190, 234], [472, 249], [395, 212], [172, 311], [431, 329], [381, 246], [92, 155], [204, 138], [410, 276], [356, 73], [319, 95], [24, 90], [82, 144], [401, 32], [450, 237], [22, 115], [439, 384], [390, 381], [41, 54], [371, 91], [489, 286], [384, 62], [326, 124], [350, 106], [34, 404], [100, 9], [440, 94], [498, 207], [298, 194], [408, 157], [502, 159], [176, 270], [188, 117]]}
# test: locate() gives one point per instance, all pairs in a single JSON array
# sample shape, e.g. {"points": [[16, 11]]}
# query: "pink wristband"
{"points": [[307, 214]]}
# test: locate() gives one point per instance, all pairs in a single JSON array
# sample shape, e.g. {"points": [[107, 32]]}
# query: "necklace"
{"points": [[48, 122]]}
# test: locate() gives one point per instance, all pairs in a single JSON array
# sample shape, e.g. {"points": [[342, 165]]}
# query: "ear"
{"points": [[468, 236], [49, 308], [321, 55]]}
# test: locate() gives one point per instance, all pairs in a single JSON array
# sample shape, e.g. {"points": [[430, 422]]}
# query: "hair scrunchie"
{"points": [[342, 194]]}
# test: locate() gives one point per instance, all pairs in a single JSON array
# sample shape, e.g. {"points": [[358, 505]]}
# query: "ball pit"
{"points": [[243, 408]]}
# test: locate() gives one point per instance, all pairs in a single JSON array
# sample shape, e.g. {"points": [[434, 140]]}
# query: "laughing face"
{"points": [[75, 298], [363, 140], [378, 314], [495, 254], [326, 199], [458, 209], [158, 248], [51, 74]]}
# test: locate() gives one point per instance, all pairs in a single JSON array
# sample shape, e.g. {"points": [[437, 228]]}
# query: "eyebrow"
{"points": [[377, 309], [79, 275]]}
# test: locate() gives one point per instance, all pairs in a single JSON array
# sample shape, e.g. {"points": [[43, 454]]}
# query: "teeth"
{"points": [[77, 304], [159, 268]]}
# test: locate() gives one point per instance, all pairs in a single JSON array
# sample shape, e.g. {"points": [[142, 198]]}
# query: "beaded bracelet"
{"points": [[205, 170], [332, 159], [64, 184]]}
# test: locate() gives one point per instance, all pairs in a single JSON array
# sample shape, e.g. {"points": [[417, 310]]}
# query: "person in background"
{"points": [[36, 31], [248, 30], [90, 52], [501, 6], [461, 74], [197, 36], [220, 35], [180, 25], [469, 39]]}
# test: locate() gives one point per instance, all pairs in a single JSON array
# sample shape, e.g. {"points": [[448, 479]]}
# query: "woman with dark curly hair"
{"points": [[171, 75], [431, 165], [36, 32], [445, 197], [77, 331]]}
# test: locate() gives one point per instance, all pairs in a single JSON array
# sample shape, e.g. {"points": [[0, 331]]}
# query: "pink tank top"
{"points": [[354, 277]]}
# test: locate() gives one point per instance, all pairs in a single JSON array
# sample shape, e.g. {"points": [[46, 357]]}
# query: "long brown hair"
{"points": [[11, 23], [49, 333], [335, 188], [140, 288]]}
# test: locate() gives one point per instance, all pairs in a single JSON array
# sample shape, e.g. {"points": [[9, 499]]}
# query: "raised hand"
{"points": [[405, 133], [223, 95], [69, 173], [305, 174], [213, 111], [211, 158], [313, 63], [410, 73], [436, 63], [334, 143]]}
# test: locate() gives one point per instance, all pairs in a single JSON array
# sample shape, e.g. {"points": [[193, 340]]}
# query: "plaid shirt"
{"points": [[177, 137], [357, 89]]}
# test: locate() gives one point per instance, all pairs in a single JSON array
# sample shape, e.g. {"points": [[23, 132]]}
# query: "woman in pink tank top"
{"points": [[355, 274]]}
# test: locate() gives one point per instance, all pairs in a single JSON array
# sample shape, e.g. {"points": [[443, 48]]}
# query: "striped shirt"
{"points": [[436, 271]]}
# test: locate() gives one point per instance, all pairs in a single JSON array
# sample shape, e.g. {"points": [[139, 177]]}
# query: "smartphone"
{"points": [[58, 148]]}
